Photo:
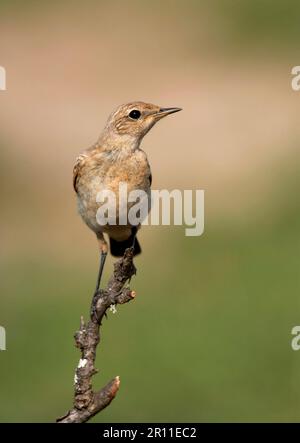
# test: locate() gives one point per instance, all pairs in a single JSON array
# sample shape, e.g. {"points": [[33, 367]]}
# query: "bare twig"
{"points": [[88, 403]]}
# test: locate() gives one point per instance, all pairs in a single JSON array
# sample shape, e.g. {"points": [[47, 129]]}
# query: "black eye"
{"points": [[135, 114]]}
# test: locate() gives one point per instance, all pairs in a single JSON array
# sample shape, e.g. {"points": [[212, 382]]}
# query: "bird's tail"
{"points": [[117, 248]]}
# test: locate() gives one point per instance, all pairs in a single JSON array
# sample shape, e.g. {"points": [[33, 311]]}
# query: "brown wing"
{"points": [[77, 170]]}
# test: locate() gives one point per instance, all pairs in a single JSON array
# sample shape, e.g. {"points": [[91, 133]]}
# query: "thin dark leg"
{"points": [[134, 231], [102, 261]]}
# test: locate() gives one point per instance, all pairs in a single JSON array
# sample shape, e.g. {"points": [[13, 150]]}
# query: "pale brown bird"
{"points": [[115, 158]]}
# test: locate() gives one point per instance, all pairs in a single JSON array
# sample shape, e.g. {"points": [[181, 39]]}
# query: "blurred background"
{"points": [[208, 337]]}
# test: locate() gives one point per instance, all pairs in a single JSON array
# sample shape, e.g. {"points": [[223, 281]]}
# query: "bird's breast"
{"points": [[131, 169], [107, 174]]}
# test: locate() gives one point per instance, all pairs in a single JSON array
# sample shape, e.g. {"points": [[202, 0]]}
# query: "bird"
{"points": [[116, 157]]}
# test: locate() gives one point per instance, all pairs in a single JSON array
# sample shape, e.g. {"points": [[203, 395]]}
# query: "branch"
{"points": [[88, 403]]}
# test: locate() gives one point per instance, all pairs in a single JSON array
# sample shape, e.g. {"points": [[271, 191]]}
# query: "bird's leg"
{"points": [[97, 293], [101, 267], [103, 255], [134, 232]]}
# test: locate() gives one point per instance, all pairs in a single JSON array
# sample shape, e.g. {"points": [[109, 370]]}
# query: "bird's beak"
{"points": [[163, 112]]}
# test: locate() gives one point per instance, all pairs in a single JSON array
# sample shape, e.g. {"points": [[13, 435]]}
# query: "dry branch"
{"points": [[88, 403]]}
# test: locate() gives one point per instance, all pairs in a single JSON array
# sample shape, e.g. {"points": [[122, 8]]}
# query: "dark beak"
{"points": [[163, 112]]}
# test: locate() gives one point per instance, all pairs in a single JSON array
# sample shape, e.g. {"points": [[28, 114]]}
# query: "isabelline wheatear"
{"points": [[115, 158]]}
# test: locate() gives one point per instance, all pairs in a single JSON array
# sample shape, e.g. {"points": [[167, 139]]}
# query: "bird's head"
{"points": [[134, 120]]}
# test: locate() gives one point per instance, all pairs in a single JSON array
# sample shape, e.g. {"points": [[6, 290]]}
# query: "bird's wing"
{"points": [[78, 169]]}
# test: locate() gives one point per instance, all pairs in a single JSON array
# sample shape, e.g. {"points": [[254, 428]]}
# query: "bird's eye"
{"points": [[135, 114]]}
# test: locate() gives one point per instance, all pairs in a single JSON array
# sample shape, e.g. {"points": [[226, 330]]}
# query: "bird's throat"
{"points": [[110, 141]]}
